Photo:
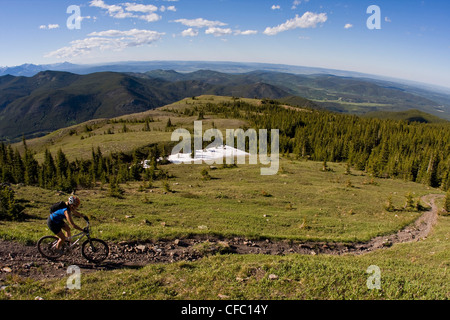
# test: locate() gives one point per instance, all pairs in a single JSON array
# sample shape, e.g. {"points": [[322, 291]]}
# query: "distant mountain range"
{"points": [[191, 66], [179, 66], [35, 101], [52, 99], [341, 94]]}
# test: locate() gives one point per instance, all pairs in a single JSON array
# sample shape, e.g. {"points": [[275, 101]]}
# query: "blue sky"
{"points": [[413, 42]]}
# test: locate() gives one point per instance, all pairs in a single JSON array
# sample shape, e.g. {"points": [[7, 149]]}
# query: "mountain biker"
{"points": [[61, 211]]}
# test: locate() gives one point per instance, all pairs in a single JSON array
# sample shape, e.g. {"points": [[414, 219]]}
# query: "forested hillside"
{"points": [[384, 148]]}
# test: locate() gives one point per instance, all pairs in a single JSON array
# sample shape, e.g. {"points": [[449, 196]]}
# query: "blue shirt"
{"points": [[58, 216]]}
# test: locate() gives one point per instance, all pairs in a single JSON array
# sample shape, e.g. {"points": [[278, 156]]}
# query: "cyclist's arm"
{"points": [[70, 220], [79, 215]]}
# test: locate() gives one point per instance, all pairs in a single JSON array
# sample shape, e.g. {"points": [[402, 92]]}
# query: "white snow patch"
{"points": [[208, 154]]}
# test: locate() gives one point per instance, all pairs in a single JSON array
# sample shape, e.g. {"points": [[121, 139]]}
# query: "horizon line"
{"points": [[361, 74]]}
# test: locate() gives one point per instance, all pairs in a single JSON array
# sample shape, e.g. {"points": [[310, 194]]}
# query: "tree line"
{"points": [[57, 172], [383, 148]]}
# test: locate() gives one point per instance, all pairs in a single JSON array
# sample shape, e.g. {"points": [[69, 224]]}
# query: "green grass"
{"points": [[301, 202], [410, 271], [77, 143], [356, 104], [236, 202]]}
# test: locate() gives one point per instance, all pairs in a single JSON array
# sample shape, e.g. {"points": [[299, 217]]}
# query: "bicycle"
{"points": [[93, 250]]}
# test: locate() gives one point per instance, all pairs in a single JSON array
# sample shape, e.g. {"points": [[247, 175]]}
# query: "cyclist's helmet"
{"points": [[74, 201]]}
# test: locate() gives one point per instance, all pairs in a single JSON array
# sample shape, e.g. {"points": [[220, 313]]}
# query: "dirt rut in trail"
{"points": [[25, 261]]}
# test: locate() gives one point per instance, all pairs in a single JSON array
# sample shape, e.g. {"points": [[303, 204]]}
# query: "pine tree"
{"points": [[447, 202], [389, 206], [31, 175], [6, 161], [409, 205], [432, 170], [123, 173], [62, 164], [114, 189], [48, 171], [18, 168], [146, 126], [169, 124], [446, 181], [348, 167], [325, 166], [9, 209]]}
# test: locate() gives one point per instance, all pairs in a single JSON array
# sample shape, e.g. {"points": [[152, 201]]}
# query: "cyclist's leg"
{"points": [[62, 239], [66, 228], [56, 229]]}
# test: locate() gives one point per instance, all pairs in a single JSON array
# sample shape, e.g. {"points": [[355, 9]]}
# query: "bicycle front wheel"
{"points": [[47, 247], [95, 250]]}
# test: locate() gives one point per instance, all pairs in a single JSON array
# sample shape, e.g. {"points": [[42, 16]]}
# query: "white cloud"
{"points": [[189, 33], [297, 3], [169, 8], [348, 26], [144, 8], [246, 32], [107, 40], [200, 23], [128, 10], [152, 17], [101, 4], [387, 19], [276, 7], [86, 17], [218, 32], [308, 20], [213, 28], [49, 26], [114, 11], [123, 15]]}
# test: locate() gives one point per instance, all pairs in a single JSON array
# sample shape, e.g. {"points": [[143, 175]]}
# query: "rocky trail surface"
{"points": [[25, 261]]}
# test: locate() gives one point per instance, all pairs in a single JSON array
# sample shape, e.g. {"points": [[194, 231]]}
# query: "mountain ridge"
{"points": [[50, 100], [53, 99], [29, 69]]}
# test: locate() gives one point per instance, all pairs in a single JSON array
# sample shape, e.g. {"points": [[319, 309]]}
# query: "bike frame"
{"points": [[80, 236], [94, 250]]}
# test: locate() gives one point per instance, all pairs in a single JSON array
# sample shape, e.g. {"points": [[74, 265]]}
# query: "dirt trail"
{"points": [[25, 261]]}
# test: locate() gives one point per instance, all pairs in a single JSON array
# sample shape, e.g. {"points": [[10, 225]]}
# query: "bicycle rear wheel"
{"points": [[95, 250], [47, 247]]}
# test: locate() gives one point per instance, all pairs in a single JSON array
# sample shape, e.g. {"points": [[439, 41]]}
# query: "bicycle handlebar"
{"points": [[88, 224]]}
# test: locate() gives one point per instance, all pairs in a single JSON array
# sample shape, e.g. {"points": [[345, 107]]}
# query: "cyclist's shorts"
{"points": [[53, 226]]}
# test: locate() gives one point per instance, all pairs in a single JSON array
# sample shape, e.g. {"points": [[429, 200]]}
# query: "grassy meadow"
{"points": [[302, 202], [232, 204], [416, 270], [77, 141]]}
